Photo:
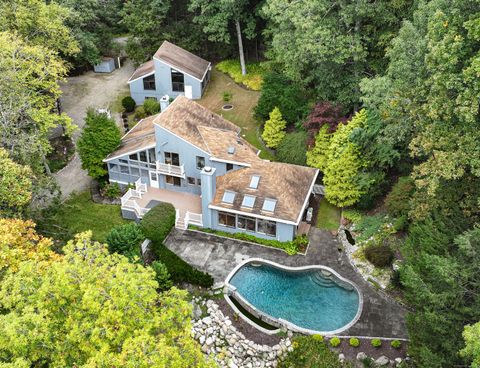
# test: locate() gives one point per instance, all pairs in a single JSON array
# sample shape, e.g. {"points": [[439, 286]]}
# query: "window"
{"points": [[153, 176], [200, 162], [123, 161], [134, 171], [149, 83], [143, 156], [178, 82], [133, 157], [229, 167], [254, 182], [113, 167], [246, 223], [199, 181], [228, 197], [124, 169], [172, 158], [173, 180], [190, 180], [269, 205], [151, 155], [267, 227], [248, 201], [226, 219]]}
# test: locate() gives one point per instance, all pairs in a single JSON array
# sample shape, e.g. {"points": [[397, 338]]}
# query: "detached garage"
{"points": [[107, 65]]}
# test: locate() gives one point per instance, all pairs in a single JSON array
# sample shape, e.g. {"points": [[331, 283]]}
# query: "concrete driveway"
{"points": [[79, 93], [381, 316]]}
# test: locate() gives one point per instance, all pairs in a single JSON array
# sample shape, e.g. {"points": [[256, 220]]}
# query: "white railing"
{"points": [[140, 187], [131, 193], [193, 219], [170, 169], [128, 201]]}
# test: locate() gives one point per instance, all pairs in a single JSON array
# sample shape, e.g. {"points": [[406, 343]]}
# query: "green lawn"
{"points": [[243, 101], [79, 213], [328, 217]]}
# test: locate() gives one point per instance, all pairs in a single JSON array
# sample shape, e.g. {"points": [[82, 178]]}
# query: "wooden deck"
{"points": [[182, 201]]}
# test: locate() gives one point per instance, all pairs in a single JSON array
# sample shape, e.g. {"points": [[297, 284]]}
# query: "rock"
{"points": [[398, 360], [382, 361], [361, 356], [209, 341], [341, 357], [207, 320], [197, 311], [201, 340]]}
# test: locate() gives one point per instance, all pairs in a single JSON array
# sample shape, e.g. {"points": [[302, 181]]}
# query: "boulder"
{"points": [[361, 356], [382, 361]]}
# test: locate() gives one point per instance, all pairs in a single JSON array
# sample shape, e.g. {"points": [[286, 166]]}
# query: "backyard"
{"points": [[243, 101], [328, 216]]}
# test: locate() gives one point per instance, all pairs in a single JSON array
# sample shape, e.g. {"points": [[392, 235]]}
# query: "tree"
{"points": [[102, 311], [125, 240], [19, 242], [99, 138], [292, 148], [274, 130], [15, 185], [471, 334], [216, 18], [318, 156], [323, 113]]}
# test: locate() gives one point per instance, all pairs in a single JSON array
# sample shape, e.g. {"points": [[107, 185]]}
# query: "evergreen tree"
{"points": [[274, 130], [318, 156]]}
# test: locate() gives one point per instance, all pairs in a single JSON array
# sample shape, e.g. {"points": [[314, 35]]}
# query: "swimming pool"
{"points": [[313, 299]]}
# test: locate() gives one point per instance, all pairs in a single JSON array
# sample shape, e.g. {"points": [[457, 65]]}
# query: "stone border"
{"points": [[231, 290]]}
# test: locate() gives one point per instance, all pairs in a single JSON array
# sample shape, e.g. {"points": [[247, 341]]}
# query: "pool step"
{"points": [[321, 280]]}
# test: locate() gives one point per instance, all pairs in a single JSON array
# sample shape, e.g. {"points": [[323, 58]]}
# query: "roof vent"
{"points": [[231, 150]]}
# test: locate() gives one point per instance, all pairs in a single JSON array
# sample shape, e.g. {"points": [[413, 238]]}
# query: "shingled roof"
{"points": [[143, 70], [182, 60]]}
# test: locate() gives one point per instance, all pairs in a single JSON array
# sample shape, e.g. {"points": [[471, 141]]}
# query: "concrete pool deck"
{"points": [[381, 316]]}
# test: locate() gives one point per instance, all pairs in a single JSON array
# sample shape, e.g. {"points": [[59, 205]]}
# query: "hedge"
{"points": [[291, 247], [158, 222], [179, 270]]}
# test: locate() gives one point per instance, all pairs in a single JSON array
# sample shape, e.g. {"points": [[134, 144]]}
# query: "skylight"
{"points": [[248, 201], [228, 197], [254, 181], [269, 205]]}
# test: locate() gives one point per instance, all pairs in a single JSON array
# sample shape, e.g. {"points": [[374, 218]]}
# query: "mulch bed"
{"points": [[365, 345], [249, 331]]}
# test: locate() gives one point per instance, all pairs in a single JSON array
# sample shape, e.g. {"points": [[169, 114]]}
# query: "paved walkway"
{"points": [[79, 93], [381, 316]]}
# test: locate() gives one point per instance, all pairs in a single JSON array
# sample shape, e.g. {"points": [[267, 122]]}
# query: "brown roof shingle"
{"points": [[142, 70], [182, 60]]}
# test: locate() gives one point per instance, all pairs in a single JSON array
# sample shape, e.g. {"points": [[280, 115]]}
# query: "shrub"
{"points": [[354, 342], [100, 137], [279, 91], [180, 271], [162, 275], [151, 106], [292, 149], [376, 343], [317, 337], [158, 222], [396, 344], [255, 72], [379, 255], [112, 190], [128, 104], [311, 352], [140, 113], [368, 226], [227, 96], [335, 341], [274, 129], [352, 215], [125, 239], [397, 201]]}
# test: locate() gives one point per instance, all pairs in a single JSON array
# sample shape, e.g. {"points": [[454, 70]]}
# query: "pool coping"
{"points": [[230, 289]]}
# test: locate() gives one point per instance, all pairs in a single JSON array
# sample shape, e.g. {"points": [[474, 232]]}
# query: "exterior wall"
{"points": [[106, 66], [115, 174], [285, 232], [163, 85]]}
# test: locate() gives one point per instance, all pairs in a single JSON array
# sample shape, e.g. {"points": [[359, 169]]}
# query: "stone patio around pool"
{"points": [[381, 316]]}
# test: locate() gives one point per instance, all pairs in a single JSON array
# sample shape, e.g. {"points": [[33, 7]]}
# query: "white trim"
{"points": [[130, 152], [212, 207], [183, 71], [118, 181], [289, 324], [307, 197], [141, 77], [190, 143], [216, 159]]}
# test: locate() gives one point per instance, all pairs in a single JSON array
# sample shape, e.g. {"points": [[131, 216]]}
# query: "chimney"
{"points": [[209, 187], [164, 102]]}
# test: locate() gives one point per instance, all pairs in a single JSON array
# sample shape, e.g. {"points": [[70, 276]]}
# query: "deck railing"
{"points": [[170, 169], [193, 219], [140, 187]]}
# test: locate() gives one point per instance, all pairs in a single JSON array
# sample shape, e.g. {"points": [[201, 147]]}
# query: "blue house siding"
{"points": [[139, 94]]}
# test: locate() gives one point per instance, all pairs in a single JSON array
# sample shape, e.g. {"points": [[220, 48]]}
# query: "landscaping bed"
{"points": [[62, 153]]}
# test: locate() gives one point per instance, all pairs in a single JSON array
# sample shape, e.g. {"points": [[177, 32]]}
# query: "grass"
{"points": [[79, 213], [243, 100], [116, 105], [328, 217]]}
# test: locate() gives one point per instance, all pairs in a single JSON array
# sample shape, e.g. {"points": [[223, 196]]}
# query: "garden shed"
{"points": [[107, 65]]}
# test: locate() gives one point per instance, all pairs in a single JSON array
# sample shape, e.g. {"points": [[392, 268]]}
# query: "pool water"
{"points": [[306, 298]]}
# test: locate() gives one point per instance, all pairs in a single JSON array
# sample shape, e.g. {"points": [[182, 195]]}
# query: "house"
{"points": [[173, 71], [198, 161]]}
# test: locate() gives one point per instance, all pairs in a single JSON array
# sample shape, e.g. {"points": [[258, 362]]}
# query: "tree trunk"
{"points": [[240, 47]]}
